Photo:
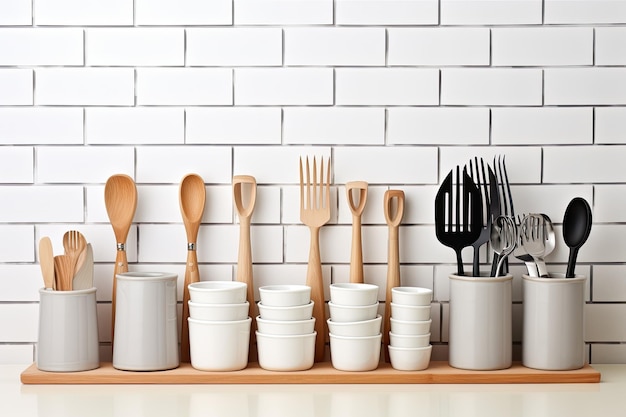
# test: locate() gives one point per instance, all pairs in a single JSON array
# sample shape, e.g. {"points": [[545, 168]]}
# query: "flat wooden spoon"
{"points": [[192, 194], [120, 198], [46, 262], [63, 270], [356, 254]]}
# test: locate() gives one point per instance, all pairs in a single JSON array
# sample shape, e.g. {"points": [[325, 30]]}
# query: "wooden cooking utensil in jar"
{"points": [[192, 194], [356, 254], [120, 198], [393, 255], [74, 244], [46, 262], [63, 271], [244, 194]]}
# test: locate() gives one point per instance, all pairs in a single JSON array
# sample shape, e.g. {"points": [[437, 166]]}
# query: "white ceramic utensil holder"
{"points": [[480, 336], [553, 329], [146, 333], [68, 331]]}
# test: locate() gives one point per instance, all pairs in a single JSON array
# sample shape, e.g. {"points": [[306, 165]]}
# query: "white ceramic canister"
{"points": [[146, 334], [553, 329], [480, 336], [68, 331]]}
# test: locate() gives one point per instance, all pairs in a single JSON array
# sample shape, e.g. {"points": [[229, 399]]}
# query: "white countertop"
{"points": [[606, 398]]}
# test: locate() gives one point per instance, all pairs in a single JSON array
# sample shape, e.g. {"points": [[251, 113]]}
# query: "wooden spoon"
{"points": [[192, 194], [46, 262], [74, 244], [120, 198], [244, 260], [393, 257], [356, 255], [63, 269]]}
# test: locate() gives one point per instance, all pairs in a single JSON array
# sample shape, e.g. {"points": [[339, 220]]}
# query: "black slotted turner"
{"points": [[458, 214]]}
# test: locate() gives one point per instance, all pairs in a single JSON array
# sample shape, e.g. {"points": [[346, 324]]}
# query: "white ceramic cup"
{"points": [[553, 329], [218, 292], [146, 331], [414, 296], [291, 313], [409, 341], [285, 295], [219, 312], [286, 352], [356, 354], [282, 327], [480, 329], [353, 294], [407, 312], [410, 359], [356, 328], [68, 331], [347, 313], [219, 345], [410, 327]]}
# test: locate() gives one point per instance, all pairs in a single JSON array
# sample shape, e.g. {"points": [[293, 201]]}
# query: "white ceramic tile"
{"points": [[291, 204], [389, 86], [83, 12], [183, 12], [77, 164], [373, 212], [395, 165], [233, 125], [480, 12], [491, 86], [16, 241], [136, 125], [234, 47], [41, 46], [419, 244], [438, 46], [335, 46], [384, 12], [438, 125], [584, 11], [549, 199], [29, 278], [16, 164], [283, 86], [609, 203], [542, 125], [565, 164], [580, 86], [610, 125], [85, 86], [601, 324], [419, 205], [283, 12], [608, 283], [184, 86], [541, 46], [276, 164], [608, 353], [41, 125], [163, 164], [22, 330], [17, 354], [334, 125], [16, 12], [16, 86], [42, 204], [267, 208], [610, 43]]}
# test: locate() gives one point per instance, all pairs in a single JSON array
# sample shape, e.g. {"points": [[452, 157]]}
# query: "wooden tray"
{"points": [[321, 373]]}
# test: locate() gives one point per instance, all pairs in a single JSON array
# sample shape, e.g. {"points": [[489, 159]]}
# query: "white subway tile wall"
{"points": [[395, 93]]}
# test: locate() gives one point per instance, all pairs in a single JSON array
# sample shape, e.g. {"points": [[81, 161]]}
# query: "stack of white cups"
{"points": [[354, 327], [219, 325], [409, 338], [286, 328]]}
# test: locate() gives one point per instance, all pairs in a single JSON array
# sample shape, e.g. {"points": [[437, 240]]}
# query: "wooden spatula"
{"points": [[46, 261], [356, 254]]}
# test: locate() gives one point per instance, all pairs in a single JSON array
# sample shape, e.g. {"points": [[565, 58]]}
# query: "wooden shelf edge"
{"points": [[321, 373]]}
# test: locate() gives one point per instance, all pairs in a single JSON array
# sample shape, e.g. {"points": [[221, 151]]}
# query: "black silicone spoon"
{"points": [[576, 229]]}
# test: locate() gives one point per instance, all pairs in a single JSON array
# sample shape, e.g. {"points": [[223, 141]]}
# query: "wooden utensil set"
{"points": [[69, 271]]}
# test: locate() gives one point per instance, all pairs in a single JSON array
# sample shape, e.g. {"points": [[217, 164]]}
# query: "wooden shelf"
{"points": [[321, 373]]}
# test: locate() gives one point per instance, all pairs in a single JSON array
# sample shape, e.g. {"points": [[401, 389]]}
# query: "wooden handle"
{"points": [[244, 274], [356, 255], [192, 274], [315, 280], [121, 266]]}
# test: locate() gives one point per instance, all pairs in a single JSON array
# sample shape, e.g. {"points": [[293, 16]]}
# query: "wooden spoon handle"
{"points": [[192, 274], [315, 280], [356, 255], [121, 266]]}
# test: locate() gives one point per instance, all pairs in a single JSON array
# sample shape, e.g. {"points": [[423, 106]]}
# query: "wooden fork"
{"points": [[74, 244], [314, 213]]}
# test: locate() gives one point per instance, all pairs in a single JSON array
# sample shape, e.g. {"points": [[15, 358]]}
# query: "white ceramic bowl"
{"points": [[353, 294], [410, 327], [413, 296], [281, 327], [219, 312], [410, 313], [344, 313], [356, 328], [293, 313], [285, 295], [218, 292], [219, 345], [409, 341], [410, 359], [355, 353], [286, 352]]}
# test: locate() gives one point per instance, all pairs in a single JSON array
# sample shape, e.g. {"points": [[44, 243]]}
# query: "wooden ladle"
{"points": [[241, 183], [192, 200], [356, 254], [120, 198], [393, 256]]}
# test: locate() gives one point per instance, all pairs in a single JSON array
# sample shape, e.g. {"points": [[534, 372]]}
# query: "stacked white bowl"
{"points": [[219, 325], [285, 334], [354, 326], [409, 338]]}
